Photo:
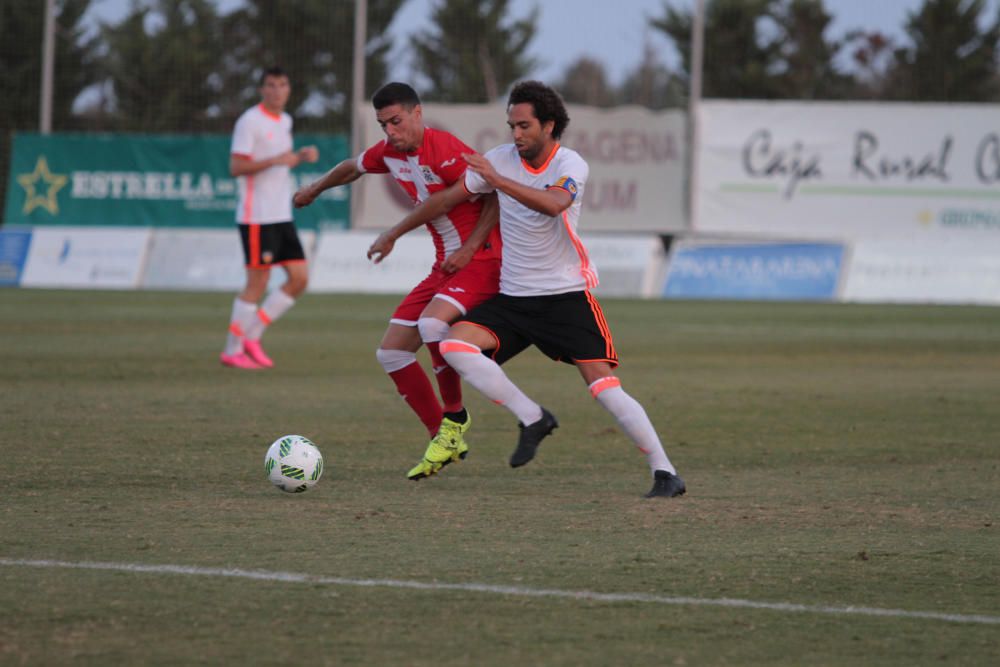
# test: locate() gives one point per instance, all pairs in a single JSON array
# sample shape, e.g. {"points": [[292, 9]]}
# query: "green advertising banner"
{"points": [[148, 180]]}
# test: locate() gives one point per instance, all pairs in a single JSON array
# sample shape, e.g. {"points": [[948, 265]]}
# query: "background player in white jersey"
{"points": [[465, 272], [261, 158], [545, 279]]}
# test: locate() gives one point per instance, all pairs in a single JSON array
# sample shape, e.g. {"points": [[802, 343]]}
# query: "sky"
{"points": [[569, 29]]}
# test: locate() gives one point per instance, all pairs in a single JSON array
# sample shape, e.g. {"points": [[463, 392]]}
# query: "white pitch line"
{"points": [[302, 578]]}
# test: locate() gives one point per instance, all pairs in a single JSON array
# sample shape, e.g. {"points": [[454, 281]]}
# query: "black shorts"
{"points": [[566, 327], [270, 244]]}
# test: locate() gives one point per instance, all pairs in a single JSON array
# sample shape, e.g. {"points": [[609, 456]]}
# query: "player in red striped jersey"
{"points": [[545, 281], [465, 272]]}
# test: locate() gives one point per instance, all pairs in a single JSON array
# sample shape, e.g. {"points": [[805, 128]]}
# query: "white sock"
{"points": [[244, 313], [432, 330], [275, 305], [485, 375], [633, 420], [395, 360]]}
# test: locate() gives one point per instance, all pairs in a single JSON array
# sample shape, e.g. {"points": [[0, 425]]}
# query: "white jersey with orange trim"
{"points": [[541, 254], [264, 197]]}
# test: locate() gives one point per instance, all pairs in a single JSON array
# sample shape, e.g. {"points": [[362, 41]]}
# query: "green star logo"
{"points": [[32, 182]]}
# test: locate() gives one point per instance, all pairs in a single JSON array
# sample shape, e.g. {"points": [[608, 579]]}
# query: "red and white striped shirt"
{"points": [[434, 166]]}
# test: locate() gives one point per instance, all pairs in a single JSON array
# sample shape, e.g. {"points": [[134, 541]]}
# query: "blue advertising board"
{"points": [[755, 271], [14, 244]]}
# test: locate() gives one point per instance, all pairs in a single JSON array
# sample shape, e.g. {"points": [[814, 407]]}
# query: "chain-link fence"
{"points": [[190, 66]]}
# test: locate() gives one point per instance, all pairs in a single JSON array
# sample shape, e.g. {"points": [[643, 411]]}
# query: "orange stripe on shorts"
{"points": [[602, 324], [254, 237]]}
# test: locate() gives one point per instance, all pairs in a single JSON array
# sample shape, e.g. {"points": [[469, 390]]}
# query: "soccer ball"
{"points": [[293, 463]]}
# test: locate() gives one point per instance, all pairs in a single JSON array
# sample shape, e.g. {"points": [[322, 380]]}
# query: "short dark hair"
{"points": [[546, 102], [274, 70], [395, 93]]}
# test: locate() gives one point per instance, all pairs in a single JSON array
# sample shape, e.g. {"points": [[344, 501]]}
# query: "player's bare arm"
{"points": [[345, 172], [243, 166], [433, 207], [488, 219], [550, 202]]}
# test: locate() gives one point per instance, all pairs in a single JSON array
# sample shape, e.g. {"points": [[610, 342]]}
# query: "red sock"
{"points": [[449, 381], [413, 385]]}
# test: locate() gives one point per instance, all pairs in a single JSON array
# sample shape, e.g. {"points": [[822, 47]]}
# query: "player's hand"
{"points": [[289, 159], [308, 154], [381, 248], [481, 166], [457, 260], [305, 195]]}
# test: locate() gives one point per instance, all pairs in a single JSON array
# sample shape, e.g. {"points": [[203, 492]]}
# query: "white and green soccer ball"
{"points": [[293, 463]]}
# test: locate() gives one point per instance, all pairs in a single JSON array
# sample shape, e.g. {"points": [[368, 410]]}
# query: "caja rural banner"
{"points": [[849, 170], [147, 180], [636, 157]]}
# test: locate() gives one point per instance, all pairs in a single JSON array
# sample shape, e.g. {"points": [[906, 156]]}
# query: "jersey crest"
{"points": [[430, 178]]}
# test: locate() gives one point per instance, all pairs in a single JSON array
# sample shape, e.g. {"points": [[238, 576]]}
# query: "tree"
{"points": [[586, 82], [21, 23], [313, 40], [179, 65], [951, 59], [806, 56], [651, 84], [162, 63], [874, 57], [474, 52], [740, 60]]}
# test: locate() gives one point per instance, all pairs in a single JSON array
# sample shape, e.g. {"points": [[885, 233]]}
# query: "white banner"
{"points": [[204, 259], [341, 263], [800, 170], [636, 156], [627, 265], [916, 271], [86, 257]]}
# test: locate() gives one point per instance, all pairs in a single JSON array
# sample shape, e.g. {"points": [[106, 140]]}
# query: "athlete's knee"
{"points": [[394, 360], [296, 284], [432, 329]]}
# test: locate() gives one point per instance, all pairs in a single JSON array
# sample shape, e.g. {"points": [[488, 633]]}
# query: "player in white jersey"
{"points": [[261, 159], [545, 282]]}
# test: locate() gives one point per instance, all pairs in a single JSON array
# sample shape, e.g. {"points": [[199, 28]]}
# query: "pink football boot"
{"points": [[253, 349], [239, 361]]}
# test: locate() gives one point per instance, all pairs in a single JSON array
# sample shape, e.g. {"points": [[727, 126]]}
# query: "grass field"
{"points": [[836, 456]]}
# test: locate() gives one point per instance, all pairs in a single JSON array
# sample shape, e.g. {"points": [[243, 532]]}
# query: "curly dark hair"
{"points": [[546, 102]]}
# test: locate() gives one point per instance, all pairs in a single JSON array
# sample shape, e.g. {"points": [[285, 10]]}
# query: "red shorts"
{"points": [[478, 281]]}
